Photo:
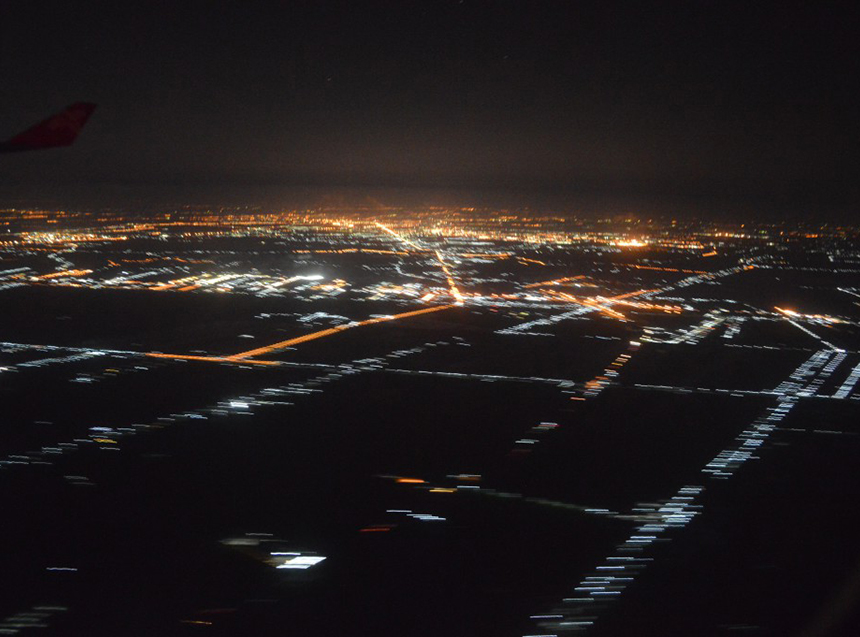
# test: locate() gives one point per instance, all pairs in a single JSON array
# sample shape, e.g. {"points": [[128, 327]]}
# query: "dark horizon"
{"points": [[716, 110]]}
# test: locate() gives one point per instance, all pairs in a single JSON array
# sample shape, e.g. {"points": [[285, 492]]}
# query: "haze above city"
{"points": [[728, 109]]}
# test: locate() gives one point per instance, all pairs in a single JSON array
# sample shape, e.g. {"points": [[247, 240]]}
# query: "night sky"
{"points": [[699, 107]]}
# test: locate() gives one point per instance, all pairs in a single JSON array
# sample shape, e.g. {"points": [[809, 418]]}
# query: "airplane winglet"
{"points": [[59, 130]]}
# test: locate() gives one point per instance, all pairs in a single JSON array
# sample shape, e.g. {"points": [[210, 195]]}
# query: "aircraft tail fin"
{"points": [[58, 130]]}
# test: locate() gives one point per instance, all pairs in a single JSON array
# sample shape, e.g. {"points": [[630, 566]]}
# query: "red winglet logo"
{"points": [[59, 130]]}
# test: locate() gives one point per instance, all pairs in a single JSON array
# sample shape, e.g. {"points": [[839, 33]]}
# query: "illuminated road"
{"points": [[452, 285], [247, 357], [210, 359], [397, 236], [275, 347], [554, 281]]}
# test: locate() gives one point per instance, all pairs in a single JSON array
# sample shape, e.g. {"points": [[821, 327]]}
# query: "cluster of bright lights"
{"points": [[296, 560]]}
